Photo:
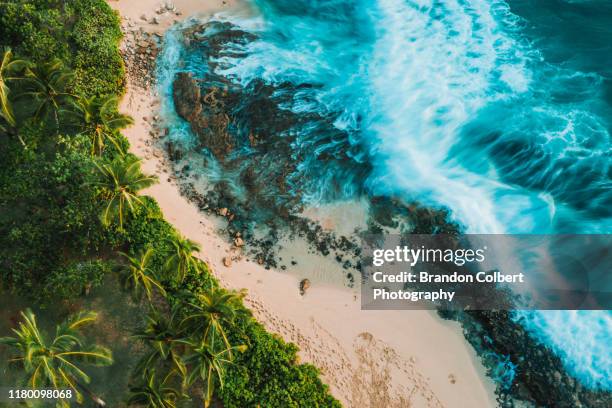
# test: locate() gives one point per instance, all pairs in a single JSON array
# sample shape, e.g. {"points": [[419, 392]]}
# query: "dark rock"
{"points": [[205, 110], [187, 96], [304, 286]]}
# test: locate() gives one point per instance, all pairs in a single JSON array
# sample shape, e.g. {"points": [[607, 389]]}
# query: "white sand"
{"points": [[369, 358], [134, 10]]}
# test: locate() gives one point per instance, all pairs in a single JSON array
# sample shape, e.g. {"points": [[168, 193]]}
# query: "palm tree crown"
{"points": [[208, 365], [46, 86], [153, 393], [183, 258], [8, 65], [54, 362], [120, 181], [137, 273], [212, 310], [163, 335], [98, 117]]}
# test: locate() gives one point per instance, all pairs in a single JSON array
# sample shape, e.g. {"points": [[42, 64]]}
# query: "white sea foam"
{"points": [[433, 68], [580, 338]]}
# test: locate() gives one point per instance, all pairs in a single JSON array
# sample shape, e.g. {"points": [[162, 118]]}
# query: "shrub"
{"points": [[35, 29], [268, 375], [96, 34], [76, 279]]}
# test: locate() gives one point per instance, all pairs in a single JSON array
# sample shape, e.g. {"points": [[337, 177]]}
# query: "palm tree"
{"points": [[137, 273], [6, 111], [208, 366], [120, 182], [54, 362], [213, 310], [8, 65], [153, 393], [99, 118], [183, 257], [163, 336], [46, 86]]}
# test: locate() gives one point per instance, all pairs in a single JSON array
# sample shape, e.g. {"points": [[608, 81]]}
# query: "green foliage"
{"points": [[45, 89], [207, 366], [8, 66], [76, 279], [84, 33], [34, 28], [211, 311], [164, 337], [96, 34], [46, 217], [268, 375], [182, 258], [98, 117], [153, 392], [138, 275], [148, 228]]}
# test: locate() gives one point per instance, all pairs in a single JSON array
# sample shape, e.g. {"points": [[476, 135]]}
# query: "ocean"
{"points": [[499, 112]]}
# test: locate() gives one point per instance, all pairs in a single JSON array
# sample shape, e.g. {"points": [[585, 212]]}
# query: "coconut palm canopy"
{"points": [[138, 275], [154, 392], [98, 118], [46, 90], [210, 312], [119, 182], [183, 257], [8, 66], [55, 361]]}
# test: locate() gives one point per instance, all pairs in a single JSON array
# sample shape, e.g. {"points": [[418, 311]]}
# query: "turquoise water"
{"points": [[500, 111]]}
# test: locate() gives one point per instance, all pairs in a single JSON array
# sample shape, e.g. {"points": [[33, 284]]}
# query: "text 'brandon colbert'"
{"points": [[426, 277]]}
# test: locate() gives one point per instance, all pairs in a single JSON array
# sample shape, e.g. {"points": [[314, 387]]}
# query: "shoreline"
{"points": [[372, 363]]}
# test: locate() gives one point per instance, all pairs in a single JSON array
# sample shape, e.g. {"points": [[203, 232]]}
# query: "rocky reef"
{"points": [[539, 377]]}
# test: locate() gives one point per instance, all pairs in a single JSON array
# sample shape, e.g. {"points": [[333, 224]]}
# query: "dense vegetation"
{"points": [[71, 216]]}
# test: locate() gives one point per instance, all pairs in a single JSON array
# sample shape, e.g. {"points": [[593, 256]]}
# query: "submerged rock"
{"points": [[203, 108], [187, 97]]}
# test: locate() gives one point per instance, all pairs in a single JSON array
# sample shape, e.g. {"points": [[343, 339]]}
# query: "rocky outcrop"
{"points": [[204, 108], [187, 96]]}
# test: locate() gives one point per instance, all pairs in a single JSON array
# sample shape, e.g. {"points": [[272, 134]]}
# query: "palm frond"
{"points": [[56, 362], [120, 181]]}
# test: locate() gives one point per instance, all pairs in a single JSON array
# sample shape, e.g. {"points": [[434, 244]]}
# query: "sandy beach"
{"points": [[369, 358]]}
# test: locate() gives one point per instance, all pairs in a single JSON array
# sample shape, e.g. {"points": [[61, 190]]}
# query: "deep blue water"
{"points": [[500, 111]]}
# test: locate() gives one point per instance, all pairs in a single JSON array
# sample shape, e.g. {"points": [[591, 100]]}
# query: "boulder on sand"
{"points": [[227, 261], [304, 285]]}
